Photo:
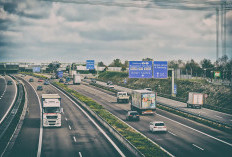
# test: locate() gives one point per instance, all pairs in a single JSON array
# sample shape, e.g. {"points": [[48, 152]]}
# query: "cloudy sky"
{"points": [[45, 31]]}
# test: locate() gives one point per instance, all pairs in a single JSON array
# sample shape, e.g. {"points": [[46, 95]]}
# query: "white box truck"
{"points": [[76, 79], [195, 100], [143, 101], [51, 110], [122, 97]]}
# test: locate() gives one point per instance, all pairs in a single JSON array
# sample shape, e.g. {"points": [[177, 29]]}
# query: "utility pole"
{"points": [[217, 32], [173, 82]]}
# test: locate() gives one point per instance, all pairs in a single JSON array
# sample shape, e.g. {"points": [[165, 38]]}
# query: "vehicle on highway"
{"points": [[76, 79], [51, 110], [132, 115], [40, 88], [46, 82], [148, 89], [143, 101], [93, 80], [195, 100], [31, 80], [157, 126], [9, 82], [61, 81], [66, 83], [122, 97], [40, 80], [53, 77], [110, 84]]}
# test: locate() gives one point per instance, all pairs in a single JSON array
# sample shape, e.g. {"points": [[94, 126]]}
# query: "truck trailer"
{"points": [[143, 101], [195, 100], [76, 79], [51, 110]]}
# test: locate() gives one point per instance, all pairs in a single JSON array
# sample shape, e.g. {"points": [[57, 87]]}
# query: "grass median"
{"points": [[145, 146]]}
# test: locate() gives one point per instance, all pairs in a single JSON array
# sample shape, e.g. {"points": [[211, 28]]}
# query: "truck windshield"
{"points": [[51, 110]]}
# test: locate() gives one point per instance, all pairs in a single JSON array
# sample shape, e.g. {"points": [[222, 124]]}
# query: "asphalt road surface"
{"points": [[184, 137], [8, 94], [78, 136]]}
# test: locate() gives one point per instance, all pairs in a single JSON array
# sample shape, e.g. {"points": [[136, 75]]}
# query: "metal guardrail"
{"points": [[9, 119], [114, 132]]}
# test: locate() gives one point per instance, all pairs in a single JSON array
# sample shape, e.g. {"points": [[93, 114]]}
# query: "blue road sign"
{"points": [[175, 89], [140, 69], [160, 69], [60, 74], [90, 64], [36, 69]]}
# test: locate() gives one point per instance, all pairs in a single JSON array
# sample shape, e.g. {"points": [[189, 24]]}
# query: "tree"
{"points": [[123, 68], [101, 64], [147, 59], [126, 64], [194, 68], [116, 63], [207, 66], [52, 67]]}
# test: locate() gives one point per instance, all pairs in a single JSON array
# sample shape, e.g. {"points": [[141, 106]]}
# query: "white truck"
{"points": [[122, 97], [143, 101], [51, 110], [195, 100], [76, 79]]}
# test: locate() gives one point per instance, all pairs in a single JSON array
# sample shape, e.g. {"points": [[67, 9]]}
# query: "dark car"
{"points": [[93, 81], [46, 82], [9, 82], [132, 115], [40, 88], [31, 80], [61, 81], [40, 80], [109, 83]]}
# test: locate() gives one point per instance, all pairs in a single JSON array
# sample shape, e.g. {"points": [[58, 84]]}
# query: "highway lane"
{"points": [[2, 85], [77, 135], [181, 140], [26, 143], [214, 115], [7, 97]]}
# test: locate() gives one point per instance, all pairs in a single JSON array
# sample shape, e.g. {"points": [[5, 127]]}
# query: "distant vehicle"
{"points": [[61, 81], [76, 79], [46, 82], [93, 80], [195, 100], [85, 77], [51, 110], [66, 83], [122, 97], [157, 126], [148, 89], [40, 88], [109, 82], [9, 82], [143, 101], [40, 80], [132, 115], [53, 77], [31, 80], [23, 75]]}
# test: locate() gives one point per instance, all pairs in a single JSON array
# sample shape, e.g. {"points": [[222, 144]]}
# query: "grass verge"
{"points": [[145, 146]]}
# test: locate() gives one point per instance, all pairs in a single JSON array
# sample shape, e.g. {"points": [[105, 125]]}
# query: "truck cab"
{"points": [[122, 97], [51, 110]]}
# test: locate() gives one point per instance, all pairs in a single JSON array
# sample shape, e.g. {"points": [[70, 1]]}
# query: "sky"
{"points": [[46, 31]]}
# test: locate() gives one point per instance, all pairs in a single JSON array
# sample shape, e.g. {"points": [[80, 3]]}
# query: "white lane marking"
{"points": [[80, 154], [69, 127], [172, 133], [198, 147], [231, 120], [11, 103], [198, 131], [0, 98], [97, 126], [66, 119], [41, 127], [74, 138], [218, 116]]}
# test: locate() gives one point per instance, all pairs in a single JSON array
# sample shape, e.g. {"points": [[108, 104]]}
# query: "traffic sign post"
{"points": [[175, 89], [90, 65], [160, 69], [140, 69]]}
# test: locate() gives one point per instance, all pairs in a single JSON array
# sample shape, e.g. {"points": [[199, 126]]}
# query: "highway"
{"points": [[184, 137], [8, 95], [214, 115], [78, 136]]}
